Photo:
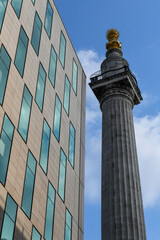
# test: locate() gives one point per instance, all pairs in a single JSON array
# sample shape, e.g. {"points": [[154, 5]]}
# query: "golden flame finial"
{"points": [[112, 36]]}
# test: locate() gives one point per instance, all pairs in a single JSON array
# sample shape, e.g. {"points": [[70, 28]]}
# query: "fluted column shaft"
{"points": [[122, 207]]}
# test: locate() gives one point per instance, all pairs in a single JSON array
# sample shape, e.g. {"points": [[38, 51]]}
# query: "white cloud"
{"points": [[147, 137], [148, 146]]}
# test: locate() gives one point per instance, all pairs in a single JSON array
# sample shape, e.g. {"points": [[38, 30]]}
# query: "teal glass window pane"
{"points": [[66, 95], [9, 219], [62, 50], [35, 234], [52, 66], [17, 4], [25, 114], [3, 5], [68, 219], [36, 34], [21, 51], [72, 145], [48, 19], [57, 118], [49, 215], [45, 146], [5, 147], [62, 175], [74, 76], [5, 61], [51, 193], [40, 87], [29, 185], [68, 226]]}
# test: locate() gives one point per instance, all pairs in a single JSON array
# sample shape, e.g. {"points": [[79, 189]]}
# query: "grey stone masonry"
{"points": [[121, 204]]}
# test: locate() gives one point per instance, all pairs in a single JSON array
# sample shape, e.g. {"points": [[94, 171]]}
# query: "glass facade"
{"points": [[48, 234], [74, 76], [36, 34], [48, 19], [17, 4], [57, 118], [62, 49], [5, 61], [35, 234], [40, 86], [52, 66], [25, 114], [62, 175], [21, 52], [71, 145], [29, 185], [5, 147], [9, 219], [45, 146], [66, 95], [3, 5], [68, 226]]}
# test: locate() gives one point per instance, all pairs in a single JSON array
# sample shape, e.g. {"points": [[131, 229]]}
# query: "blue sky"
{"points": [[138, 22]]}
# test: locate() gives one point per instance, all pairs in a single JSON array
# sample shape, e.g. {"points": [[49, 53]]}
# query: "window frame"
{"points": [[67, 224], [64, 51], [25, 54], [33, 185], [19, 10], [40, 64], [37, 53], [11, 145], [69, 95], [60, 118], [59, 175], [46, 210], [55, 65], [77, 77], [74, 144], [49, 36], [1, 26], [7, 73], [9, 216], [44, 120], [29, 114]]}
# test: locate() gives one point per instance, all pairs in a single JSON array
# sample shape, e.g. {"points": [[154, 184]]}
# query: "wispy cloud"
{"points": [[147, 130]]}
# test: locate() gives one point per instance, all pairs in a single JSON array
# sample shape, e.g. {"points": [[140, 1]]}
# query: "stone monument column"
{"points": [[117, 91]]}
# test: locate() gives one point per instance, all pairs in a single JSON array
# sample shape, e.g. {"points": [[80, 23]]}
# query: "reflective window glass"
{"points": [[49, 213], [25, 114], [29, 185], [66, 95], [36, 34], [21, 52], [48, 19], [52, 66], [71, 145], [62, 49], [5, 147], [5, 61], [9, 219], [68, 226], [62, 175], [45, 146], [57, 118], [17, 4], [40, 87], [3, 5], [35, 234], [74, 76]]}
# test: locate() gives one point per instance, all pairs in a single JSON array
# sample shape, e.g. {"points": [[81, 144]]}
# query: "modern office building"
{"points": [[117, 91], [42, 125]]}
